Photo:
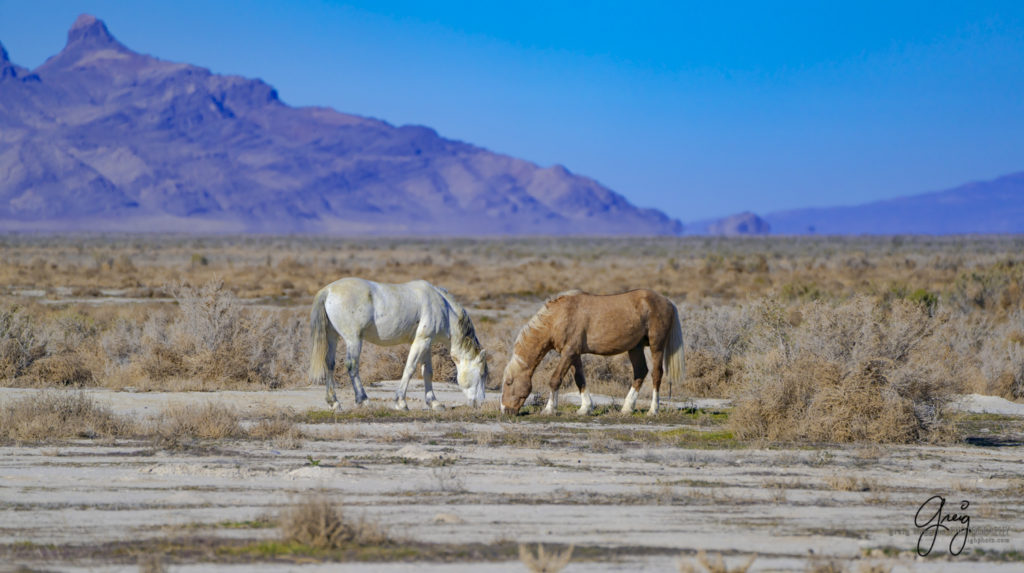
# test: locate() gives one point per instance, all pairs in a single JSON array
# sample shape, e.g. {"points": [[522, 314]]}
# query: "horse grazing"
{"points": [[416, 313], [576, 323]]}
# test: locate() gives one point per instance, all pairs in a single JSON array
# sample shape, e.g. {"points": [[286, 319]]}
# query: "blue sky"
{"points": [[699, 109]]}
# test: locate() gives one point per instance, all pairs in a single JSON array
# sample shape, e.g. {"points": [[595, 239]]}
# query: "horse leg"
{"points": [[586, 404], [556, 381], [656, 373], [353, 347], [636, 357], [332, 347], [415, 358], [428, 384]]}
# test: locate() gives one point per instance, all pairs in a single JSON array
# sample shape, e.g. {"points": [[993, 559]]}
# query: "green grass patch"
{"points": [[247, 524], [603, 414], [207, 549], [273, 550]]}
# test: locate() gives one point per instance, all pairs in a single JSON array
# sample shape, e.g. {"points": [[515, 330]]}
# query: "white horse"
{"points": [[416, 313]]}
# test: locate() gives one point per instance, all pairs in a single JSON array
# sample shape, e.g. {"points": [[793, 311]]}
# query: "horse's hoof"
{"points": [[652, 412], [401, 406], [335, 407], [626, 410], [583, 411], [436, 405]]}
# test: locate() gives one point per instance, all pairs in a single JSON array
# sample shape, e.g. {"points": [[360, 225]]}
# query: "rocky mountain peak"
{"points": [[7, 68], [90, 30], [111, 139]]}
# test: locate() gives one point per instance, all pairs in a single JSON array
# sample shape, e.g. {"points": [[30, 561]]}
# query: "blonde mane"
{"points": [[537, 322]]}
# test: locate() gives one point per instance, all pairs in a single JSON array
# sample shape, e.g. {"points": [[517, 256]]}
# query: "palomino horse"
{"points": [[575, 323], [416, 313]]}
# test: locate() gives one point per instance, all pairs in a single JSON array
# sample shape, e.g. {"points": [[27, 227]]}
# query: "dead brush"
{"points": [[851, 371], [818, 564], [713, 564], [60, 415], [61, 370], [542, 561], [209, 421], [320, 522], [376, 363], [152, 564], [277, 426], [20, 344], [851, 483]]}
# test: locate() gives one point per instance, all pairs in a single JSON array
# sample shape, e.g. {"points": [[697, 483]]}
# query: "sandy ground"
{"points": [[568, 480]]}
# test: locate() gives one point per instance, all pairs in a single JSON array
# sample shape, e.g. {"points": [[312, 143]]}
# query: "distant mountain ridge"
{"points": [[102, 138], [995, 206]]}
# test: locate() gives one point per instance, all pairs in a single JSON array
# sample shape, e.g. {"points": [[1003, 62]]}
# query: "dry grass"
{"points": [[152, 564], [60, 415], [825, 565], [180, 423], [320, 522], [851, 483], [713, 564], [543, 561], [790, 327], [209, 421], [851, 371]]}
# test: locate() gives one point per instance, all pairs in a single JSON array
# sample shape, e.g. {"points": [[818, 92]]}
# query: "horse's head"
{"points": [[472, 377], [516, 385]]}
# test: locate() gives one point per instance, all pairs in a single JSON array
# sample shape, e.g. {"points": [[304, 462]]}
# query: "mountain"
{"points": [[995, 206], [739, 225], [103, 138]]}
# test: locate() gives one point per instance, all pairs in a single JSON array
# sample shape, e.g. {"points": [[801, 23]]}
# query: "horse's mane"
{"points": [[538, 321], [464, 335], [570, 292]]}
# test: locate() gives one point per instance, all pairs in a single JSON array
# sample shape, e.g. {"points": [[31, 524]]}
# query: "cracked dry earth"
{"points": [[629, 493]]}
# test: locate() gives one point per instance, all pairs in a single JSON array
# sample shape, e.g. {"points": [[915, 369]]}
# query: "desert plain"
{"points": [[155, 413]]}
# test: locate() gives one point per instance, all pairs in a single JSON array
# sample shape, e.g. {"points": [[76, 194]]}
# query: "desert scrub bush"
{"points": [[278, 426], [19, 342], [318, 521], [61, 370], [212, 338], [1002, 359], [715, 338], [851, 371], [713, 564], [544, 561], [209, 421], [60, 415], [996, 287]]}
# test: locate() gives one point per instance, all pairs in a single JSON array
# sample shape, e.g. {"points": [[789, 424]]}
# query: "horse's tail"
{"points": [[673, 361], [321, 362]]}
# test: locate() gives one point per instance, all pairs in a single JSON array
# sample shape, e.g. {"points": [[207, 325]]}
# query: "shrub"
{"points": [[214, 339], [320, 522], [210, 421], [714, 337], [1002, 361], [19, 342], [60, 415], [544, 562], [61, 370], [849, 372]]}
